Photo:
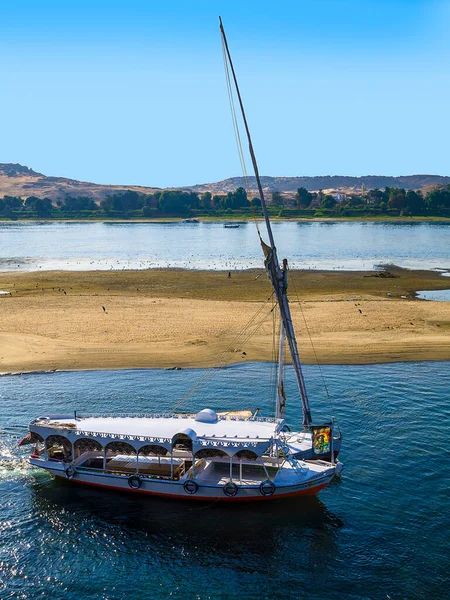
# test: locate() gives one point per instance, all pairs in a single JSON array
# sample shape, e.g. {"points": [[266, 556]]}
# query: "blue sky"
{"points": [[134, 92]]}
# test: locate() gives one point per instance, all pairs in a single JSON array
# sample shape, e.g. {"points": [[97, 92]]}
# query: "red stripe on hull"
{"points": [[307, 492]]}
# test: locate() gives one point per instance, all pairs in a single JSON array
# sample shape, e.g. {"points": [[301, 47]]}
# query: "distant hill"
{"points": [[335, 182], [18, 180]]}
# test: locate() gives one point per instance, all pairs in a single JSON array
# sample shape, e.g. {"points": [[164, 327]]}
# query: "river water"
{"points": [[316, 245], [380, 533]]}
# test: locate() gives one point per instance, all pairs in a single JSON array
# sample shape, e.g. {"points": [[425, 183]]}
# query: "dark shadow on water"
{"points": [[256, 528]]}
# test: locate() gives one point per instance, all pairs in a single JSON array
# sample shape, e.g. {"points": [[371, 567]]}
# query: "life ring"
{"points": [[190, 486], [70, 472], [134, 482], [267, 487], [230, 489]]}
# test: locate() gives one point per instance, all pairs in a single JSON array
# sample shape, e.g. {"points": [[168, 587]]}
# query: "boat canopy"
{"points": [[205, 430]]}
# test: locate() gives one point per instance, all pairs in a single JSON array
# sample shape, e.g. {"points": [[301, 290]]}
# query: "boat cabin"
{"points": [[210, 447]]}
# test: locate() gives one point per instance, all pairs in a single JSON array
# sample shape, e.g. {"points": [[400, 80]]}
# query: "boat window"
{"points": [[181, 441], [211, 453], [116, 448], [246, 455], [153, 450], [58, 448], [31, 438], [121, 457], [84, 445]]}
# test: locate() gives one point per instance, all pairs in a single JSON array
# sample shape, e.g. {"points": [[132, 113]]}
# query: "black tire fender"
{"points": [[267, 487], [230, 489], [134, 482], [69, 471], [190, 486]]}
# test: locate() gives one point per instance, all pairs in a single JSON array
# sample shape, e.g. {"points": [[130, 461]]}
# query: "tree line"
{"points": [[126, 204], [176, 203], [399, 200]]}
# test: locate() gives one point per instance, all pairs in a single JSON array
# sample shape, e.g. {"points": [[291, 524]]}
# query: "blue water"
{"points": [[381, 532], [439, 295], [319, 245]]}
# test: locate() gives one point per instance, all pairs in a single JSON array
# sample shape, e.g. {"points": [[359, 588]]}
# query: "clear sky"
{"points": [[134, 92]]}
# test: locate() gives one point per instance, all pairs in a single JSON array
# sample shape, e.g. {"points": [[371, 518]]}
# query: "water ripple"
{"points": [[379, 532]]}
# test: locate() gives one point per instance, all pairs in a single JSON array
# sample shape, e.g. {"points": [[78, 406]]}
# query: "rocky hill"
{"points": [[335, 182], [18, 180]]}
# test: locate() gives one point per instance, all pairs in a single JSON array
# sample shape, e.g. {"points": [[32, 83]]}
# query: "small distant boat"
{"points": [[191, 221], [231, 225]]}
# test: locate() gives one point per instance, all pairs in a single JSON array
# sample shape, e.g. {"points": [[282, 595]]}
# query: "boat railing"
{"points": [[181, 416]]}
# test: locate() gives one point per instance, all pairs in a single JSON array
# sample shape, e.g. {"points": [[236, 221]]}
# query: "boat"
{"points": [[191, 221], [231, 225], [204, 455]]}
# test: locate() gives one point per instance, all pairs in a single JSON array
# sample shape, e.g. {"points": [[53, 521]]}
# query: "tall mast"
{"points": [[277, 275], [281, 397]]}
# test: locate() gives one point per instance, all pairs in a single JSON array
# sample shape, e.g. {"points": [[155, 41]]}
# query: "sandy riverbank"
{"points": [[55, 320]]}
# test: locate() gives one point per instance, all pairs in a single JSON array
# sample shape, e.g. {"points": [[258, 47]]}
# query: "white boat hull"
{"points": [[175, 489]]}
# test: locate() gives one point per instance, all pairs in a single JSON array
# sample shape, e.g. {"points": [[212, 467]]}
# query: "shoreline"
{"points": [[71, 320], [243, 219], [232, 364]]}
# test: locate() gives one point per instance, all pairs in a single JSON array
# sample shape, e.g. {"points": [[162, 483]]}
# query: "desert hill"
{"points": [[335, 182], [18, 180]]}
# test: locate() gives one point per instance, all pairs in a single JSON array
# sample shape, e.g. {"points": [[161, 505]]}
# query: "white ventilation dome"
{"points": [[206, 416]]}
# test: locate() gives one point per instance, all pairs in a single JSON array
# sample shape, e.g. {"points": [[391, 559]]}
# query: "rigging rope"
{"points": [[225, 358], [273, 370], [238, 135], [330, 401]]}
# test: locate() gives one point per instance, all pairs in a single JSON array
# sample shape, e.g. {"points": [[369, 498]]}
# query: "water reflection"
{"points": [[214, 525]]}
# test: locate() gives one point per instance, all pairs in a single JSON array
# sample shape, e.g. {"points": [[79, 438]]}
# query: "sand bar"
{"points": [[139, 319]]}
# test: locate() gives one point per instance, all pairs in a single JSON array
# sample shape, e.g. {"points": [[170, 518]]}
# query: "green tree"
{"points": [[354, 202], [277, 199], [206, 200], [218, 201], [41, 206], [9, 213], [174, 202], [414, 202], [328, 201], [31, 201], [13, 201], [79, 203], [240, 199], [396, 198], [438, 199], [303, 198], [375, 197]]}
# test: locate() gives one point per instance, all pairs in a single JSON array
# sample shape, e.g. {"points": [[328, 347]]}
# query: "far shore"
{"points": [[244, 219], [168, 318]]}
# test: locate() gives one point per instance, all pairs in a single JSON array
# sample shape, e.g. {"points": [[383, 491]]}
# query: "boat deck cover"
{"points": [[167, 426]]}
